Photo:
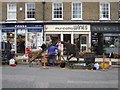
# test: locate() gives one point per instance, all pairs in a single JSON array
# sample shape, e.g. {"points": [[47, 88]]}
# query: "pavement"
{"points": [[23, 76]]}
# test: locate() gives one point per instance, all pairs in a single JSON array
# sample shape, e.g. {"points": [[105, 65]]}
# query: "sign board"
{"points": [[21, 31], [79, 27], [34, 30], [8, 30]]}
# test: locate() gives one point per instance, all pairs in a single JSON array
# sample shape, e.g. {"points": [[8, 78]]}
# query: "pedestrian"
{"points": [[43, 46], [22, 46], [8, 48], [59, 45], [52, 51]]}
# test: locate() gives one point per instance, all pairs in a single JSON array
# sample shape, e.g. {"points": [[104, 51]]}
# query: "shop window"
{"points": [[76, 11], [83, 41], [35, 40], [30, 11], [57, 11], [11, 11], [111, 44], [9, 36], [104, 11]]}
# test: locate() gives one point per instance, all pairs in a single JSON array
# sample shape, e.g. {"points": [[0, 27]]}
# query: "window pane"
{"points": [[76, 10], [104, 10], [11, 11], [30, 10], [57, 10]]}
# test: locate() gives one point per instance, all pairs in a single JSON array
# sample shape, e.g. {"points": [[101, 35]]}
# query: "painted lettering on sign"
{"points": [[68, 27]]}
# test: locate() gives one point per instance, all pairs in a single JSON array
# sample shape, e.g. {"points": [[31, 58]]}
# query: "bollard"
{"points": [[110, 63]]}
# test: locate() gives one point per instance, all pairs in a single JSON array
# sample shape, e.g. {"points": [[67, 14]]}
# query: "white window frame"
{"points": [[26, 11], [12, 11], [101, 16], [53, 12], [72, 12]]}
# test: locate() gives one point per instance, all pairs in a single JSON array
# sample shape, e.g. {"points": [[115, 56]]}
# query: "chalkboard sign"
{"points": [[89, 57]]}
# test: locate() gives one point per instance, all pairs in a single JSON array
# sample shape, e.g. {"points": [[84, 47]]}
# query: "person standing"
{"points": [[59, 45], [43, 46], [8, 48]]}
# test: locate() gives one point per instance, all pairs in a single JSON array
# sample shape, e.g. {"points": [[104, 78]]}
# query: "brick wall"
{"points": [[90, 11]]}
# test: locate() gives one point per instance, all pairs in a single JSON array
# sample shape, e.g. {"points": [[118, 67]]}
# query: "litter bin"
{"points": [[89, 57]]}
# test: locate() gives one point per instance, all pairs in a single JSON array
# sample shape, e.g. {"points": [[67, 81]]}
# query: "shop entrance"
{"points": [[67, 38], [21, 41]]}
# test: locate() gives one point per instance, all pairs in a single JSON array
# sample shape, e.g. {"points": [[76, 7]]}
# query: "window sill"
{"points": [[11, 19], [57, 19], [104, 19], [76, 19], [30, 19]]}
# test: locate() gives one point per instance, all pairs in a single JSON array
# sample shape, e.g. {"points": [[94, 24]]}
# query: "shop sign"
{"points": [[34, 25], [34, 30], [109, 28], [8, 30], [111, 34], [68, 27], [21, 31], [20, 26]]}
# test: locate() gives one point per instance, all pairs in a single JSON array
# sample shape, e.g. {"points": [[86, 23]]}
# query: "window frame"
{"points": [[11, 11], [53, 11], [72, 11], [26, 18], [101, 16]]}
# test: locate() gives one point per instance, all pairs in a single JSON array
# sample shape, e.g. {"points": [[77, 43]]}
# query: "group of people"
{"points": [[53, 51]]}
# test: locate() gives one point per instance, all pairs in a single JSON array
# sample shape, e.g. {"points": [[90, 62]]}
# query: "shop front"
{"points": [[75, 34], [106, 38], [22, 36]]}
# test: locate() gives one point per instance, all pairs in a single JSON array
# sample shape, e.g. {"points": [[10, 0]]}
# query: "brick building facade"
{"points": [[86, 23]]}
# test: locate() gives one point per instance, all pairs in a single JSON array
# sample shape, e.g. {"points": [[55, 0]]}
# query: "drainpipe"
{"points": [[43, 4]]}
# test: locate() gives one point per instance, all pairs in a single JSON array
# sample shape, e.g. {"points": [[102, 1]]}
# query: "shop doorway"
{"points": [[21, 41], [67, 38]]}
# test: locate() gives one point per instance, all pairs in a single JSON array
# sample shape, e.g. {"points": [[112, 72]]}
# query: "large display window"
{"points": [[34, 40], [9, 35]]}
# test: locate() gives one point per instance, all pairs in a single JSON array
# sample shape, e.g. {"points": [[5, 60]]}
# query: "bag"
{"points": [[62, 64]]}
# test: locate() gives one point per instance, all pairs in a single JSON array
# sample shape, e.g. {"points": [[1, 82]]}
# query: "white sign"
{"points": [[21, 31], [83, 27]]}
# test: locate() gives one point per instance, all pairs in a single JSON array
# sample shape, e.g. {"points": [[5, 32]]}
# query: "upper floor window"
{"points": [[11, 11], [57, 11], [104, 11], [30, 11], [76, 11]]}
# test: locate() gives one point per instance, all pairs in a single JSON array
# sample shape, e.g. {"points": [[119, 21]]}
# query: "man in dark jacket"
{"points": [[8, 48]]}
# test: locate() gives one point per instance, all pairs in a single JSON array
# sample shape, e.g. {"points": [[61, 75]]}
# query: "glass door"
{"points": [[83, 40]]}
